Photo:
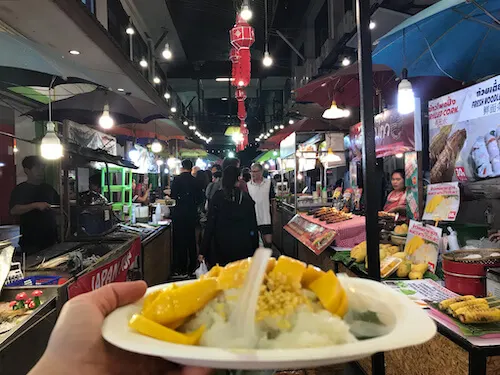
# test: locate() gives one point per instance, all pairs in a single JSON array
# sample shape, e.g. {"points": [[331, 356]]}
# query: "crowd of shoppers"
{"points": [[220, 214]]}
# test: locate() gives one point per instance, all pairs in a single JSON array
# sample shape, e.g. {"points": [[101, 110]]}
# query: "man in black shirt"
{"points": [[31, 201], [188, 196]]}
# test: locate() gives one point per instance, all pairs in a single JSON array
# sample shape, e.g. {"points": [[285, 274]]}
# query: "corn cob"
{"points": [[477, 301], [470, 308], [443, 305], [438, 143], [481, 316]]}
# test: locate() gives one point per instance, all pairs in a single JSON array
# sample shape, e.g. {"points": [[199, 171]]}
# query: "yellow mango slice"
{"points": [[177, 323], [342, 310], [174, 304], [310, 274], [233, 274], [293, 269], [148, 300], [214, 272], [152, 329], [328, 290]]}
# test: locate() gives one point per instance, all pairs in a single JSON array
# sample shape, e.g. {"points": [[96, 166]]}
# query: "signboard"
{"points": [[443, 202], [464, 133], [422, 243], [394, 134], [287, 146], [314, 236], [421, 291], [411, 183], [113, 271]]}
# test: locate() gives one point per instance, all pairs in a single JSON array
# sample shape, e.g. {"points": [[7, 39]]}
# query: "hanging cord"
{"points": [[265, 27], [479, 6]]}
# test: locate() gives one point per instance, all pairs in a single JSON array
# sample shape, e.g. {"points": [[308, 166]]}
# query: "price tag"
{"points": [[460, 173]]}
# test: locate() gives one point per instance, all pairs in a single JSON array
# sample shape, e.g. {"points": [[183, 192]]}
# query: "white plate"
{"points": [[412, 327]]}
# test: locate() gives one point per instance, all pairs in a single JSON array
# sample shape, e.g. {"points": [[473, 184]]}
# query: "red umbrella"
{"points": [[343, 86]]}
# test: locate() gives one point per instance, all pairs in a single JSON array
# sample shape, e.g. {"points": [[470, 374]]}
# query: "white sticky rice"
{"points": [[304, 328]]}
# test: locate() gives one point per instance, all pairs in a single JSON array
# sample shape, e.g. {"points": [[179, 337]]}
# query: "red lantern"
{"points": [[241, 96], [242, 37], [234, 57]]}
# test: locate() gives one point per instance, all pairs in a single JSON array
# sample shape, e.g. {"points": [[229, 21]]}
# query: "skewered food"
{"points": [[469, 309], [331, 215], [443, 169], [443, 305]]}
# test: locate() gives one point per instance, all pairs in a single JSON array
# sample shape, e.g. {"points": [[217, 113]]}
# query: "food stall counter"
{"points": [[449, 352]]}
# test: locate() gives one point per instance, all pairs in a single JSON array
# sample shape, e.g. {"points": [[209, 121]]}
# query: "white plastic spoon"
{"points": [[242, 319]]}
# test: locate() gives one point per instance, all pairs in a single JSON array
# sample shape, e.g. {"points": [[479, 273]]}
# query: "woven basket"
{"points": [[486, 258]]}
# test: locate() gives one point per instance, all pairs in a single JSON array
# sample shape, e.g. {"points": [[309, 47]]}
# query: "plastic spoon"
{"points": [[242, 319]]}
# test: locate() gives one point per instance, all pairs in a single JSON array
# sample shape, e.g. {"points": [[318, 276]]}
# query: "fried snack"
{"points": [[438, 143], [444, 168]]}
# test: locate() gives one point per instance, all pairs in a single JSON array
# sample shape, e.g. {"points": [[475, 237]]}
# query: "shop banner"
{"points": [[443, 202], [464, 133], [287, 146], [87, 137], [113, 271], [394, 134], [421, 291], [314, 236], [411, 182], [422, 243]]}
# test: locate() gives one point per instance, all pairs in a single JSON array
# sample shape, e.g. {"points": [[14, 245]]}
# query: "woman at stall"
{"points": [[396, 200]]}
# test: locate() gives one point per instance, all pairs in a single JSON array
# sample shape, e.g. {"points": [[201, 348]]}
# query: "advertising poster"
{"points": [[411, 182], [422, 243], [421, 291], [464, 133], [443, 202], [394, 134], [314, 236]]}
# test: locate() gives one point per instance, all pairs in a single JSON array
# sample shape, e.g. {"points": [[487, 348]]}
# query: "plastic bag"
{"points": [[201, 270]]}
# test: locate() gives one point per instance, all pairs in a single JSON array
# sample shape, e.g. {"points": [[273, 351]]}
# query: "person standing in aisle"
{"points": [[188, 196], [31, 201], [234, 162], [261, 190], [231, 232]]}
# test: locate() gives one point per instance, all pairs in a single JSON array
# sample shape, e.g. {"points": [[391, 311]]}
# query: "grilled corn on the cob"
{"points": [[443, 305], [481, 316], [476, 301]]}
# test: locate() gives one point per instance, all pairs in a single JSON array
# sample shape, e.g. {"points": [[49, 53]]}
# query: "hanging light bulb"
{"points": [[271, 131], [143, 63], [51, 147], [267, 61], [173, 109], [346, 61], [282, 126], [246, 12], [156, 146], [106, 121], [406, 98], [334, 112], [14, 148], [185, 123], [237, 137], [130, 30], [156, 80], [372, 25], [291, 121], [167, 53], [166, 95]]}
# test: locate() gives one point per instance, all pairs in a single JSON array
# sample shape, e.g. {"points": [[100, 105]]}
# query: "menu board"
{"points": [[421, 291], [464, 133], [443, 202], [422, 243], [314, 236]]}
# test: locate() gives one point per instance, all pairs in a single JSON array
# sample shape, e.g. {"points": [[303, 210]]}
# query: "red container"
{"points": [[468, 276]]}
